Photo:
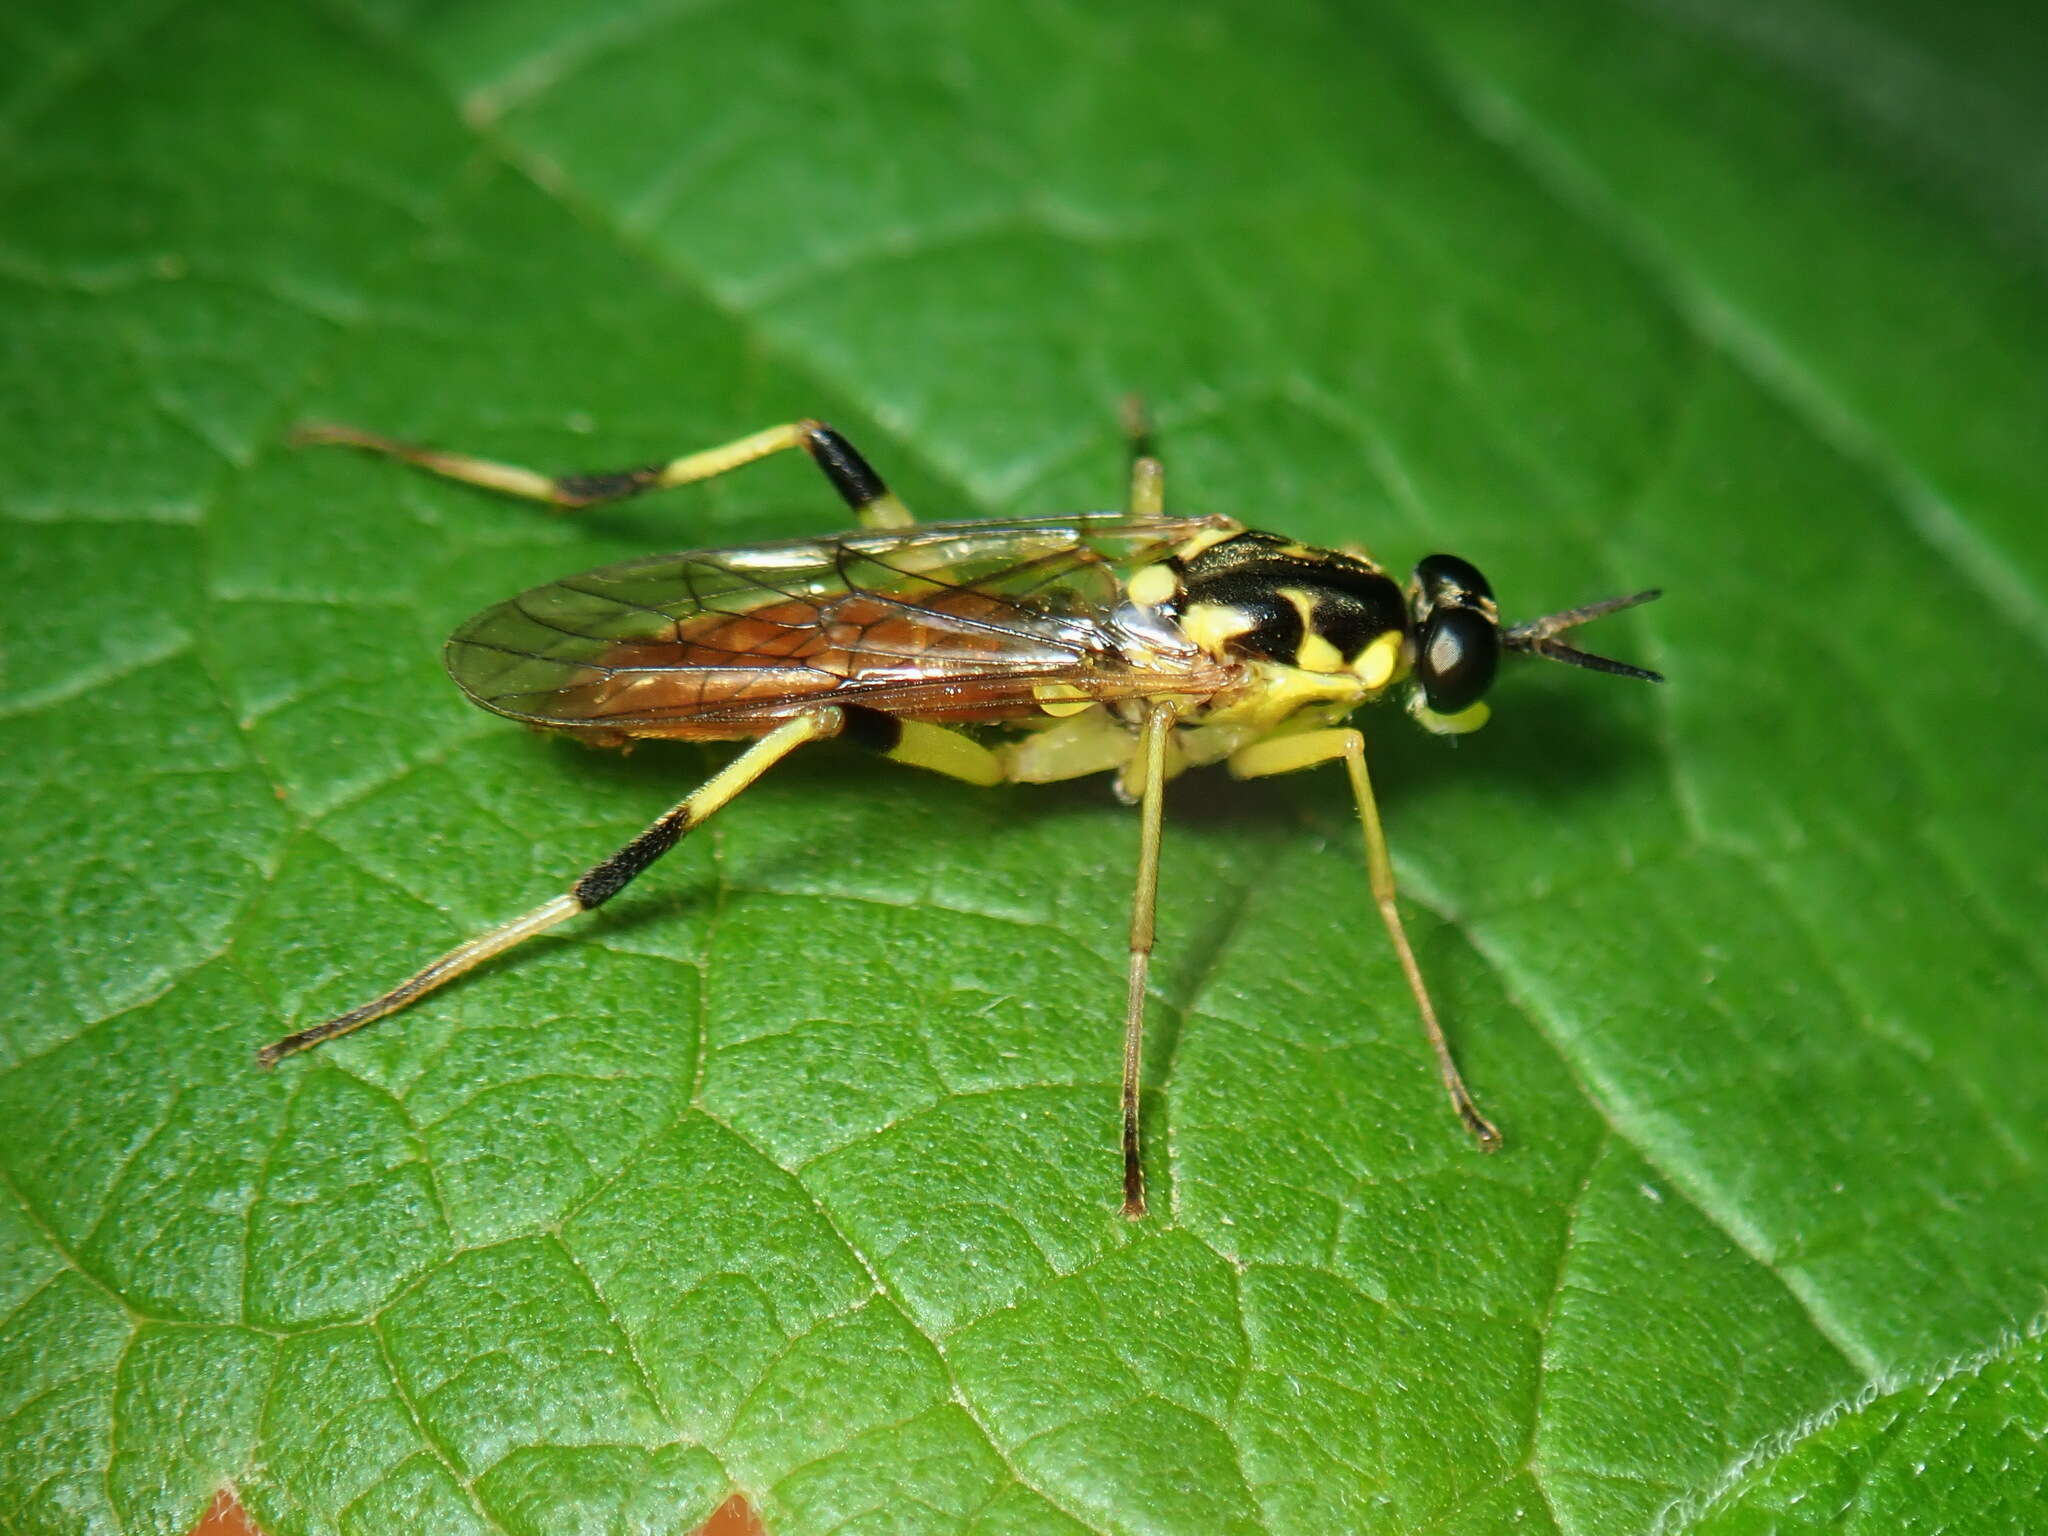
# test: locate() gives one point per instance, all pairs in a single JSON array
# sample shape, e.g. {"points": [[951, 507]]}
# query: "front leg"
{"points": [[1285, 754]]}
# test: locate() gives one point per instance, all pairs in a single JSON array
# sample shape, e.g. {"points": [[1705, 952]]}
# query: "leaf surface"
{"points": [[794, 1170]]}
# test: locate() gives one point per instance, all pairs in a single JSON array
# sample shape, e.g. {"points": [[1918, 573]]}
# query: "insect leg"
{"points": [[1092, 741], [1284, 754], [850, 475], [1148, 475], [1151, 757], [922, 745], [597, 885]]}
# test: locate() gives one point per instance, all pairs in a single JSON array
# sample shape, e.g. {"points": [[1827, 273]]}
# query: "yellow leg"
{"points": [[850, 474], [1148, 475], [1148, 487], [1092, 741], [935, 748], [598, 884], [1284, 754], [1152, 737]]}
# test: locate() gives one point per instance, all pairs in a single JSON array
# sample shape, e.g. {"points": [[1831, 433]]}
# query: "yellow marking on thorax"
{"points": [[1381, 662], [1153, 585], [1315, 653], [1274, 693], [1209, 625], [1208, 538]]}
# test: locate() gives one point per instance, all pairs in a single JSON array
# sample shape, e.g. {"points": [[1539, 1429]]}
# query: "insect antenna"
{"points": [[1538, 637]]}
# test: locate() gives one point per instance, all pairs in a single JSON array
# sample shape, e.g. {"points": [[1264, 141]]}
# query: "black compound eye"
{"points": [[1438, 576], [1456, 660]]}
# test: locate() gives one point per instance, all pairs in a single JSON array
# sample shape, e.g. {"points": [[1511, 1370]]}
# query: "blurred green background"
{"points": [[793, 1172]]}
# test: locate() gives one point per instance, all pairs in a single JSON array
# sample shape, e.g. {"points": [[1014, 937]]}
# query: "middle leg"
{"points": [[1148, 474], [1151, 764]]}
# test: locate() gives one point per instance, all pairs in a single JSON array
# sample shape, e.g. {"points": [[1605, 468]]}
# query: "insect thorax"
{"points": [[1305, 626]]}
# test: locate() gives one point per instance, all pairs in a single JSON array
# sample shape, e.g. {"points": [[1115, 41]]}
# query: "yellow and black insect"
{"points": [[1137, 643]]}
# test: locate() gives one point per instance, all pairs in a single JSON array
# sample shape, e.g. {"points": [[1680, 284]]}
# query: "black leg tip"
{"points": [[1134, 1192]]}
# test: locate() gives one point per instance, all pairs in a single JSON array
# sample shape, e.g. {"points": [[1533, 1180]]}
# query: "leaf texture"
{"points": [[793, 1171]]}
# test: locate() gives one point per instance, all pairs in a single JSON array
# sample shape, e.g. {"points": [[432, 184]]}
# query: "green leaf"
{"points": [[794, 1171]]}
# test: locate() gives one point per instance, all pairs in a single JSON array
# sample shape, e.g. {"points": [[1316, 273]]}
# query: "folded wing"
{"points": [[950, 622]]}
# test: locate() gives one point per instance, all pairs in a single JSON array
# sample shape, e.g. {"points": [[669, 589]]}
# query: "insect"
{"points": [[1139, 643]]}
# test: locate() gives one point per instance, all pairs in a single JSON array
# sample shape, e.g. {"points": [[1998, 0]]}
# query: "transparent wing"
{"points": [[949, 621]]}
